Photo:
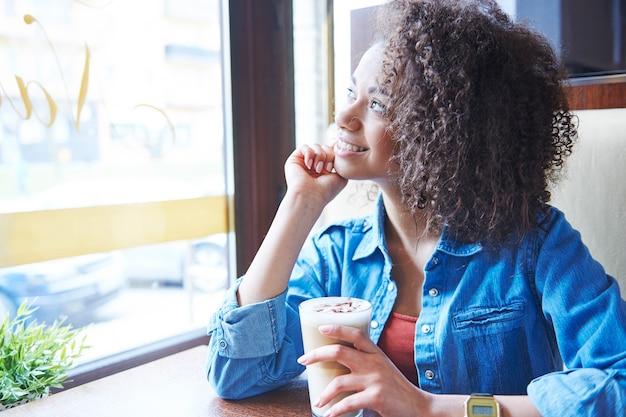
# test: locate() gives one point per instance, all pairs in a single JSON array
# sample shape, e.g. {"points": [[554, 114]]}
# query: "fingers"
{"points": [[373, 382], [359, 341], [348, 389], [325, 353], [353, 335], [318, 158]]}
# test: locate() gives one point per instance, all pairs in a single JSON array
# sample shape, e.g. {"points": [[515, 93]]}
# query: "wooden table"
{"points": [[174, 386]]}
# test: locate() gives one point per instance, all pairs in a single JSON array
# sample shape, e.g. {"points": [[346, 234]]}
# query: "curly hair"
{"points": [[478, 116]]}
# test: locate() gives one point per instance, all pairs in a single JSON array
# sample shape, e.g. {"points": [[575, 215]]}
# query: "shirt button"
{"points": [[374, 324], [390, 287], [425, 328], [435, 260], [429, 374], [433, 292], [222, 344]]}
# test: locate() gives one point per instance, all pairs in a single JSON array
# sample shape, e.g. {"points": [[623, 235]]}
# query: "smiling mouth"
{"points": [[341, 145]]}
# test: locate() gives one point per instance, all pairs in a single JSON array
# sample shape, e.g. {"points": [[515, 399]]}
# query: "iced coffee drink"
{"points": [[330, 310]]}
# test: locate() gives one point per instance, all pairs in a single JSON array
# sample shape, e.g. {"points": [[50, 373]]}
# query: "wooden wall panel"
{"points": [[598, 95]]}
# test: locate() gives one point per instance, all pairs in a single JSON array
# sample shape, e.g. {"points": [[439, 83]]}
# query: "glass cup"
{"points": [[315, 312]]}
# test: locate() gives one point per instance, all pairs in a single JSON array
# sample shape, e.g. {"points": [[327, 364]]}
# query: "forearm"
{"points": [[269, 272]]}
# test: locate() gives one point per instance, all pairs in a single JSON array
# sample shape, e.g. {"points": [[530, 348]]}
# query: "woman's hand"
{"points": [[310, 169], [376, 381]]}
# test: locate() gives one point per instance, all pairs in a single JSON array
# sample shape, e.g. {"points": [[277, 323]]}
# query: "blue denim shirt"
{"points": [[506, 321]]}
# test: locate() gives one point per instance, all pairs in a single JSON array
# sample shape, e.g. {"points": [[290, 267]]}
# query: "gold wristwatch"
{"points": [[482, 405]]}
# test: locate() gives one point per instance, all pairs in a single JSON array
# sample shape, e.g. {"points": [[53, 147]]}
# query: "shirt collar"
{"points": [[375, 239], [450, 246], [373, 227]]}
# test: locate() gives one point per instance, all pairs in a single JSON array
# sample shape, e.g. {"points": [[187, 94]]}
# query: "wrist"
{"points": [[437, 405], [442, 405], [305, 201]]}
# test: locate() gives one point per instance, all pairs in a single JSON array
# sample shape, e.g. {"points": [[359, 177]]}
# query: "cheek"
{"points": [[385, 152], [384, 145]]}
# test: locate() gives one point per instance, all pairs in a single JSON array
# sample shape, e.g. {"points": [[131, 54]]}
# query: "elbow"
{"points": [[229, 393], [238, 386], [231, 385], [227, 388], [234, 390]]}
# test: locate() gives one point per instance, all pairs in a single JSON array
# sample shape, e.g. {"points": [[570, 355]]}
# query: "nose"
{"points": [[347, 119]]}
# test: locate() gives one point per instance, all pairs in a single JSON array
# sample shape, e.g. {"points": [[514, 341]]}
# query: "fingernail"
{"points": [[301, 360], [329, 166], [319, 166], [309, 163], [325, 328]]}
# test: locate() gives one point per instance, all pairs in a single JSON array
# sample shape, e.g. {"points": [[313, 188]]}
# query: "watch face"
{"points": [[482, 406], [483, 410]]}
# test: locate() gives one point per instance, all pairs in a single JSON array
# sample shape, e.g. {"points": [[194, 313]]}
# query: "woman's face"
{"points": [[363, 147]]}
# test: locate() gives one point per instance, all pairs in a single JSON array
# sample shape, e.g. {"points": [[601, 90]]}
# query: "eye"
{"points": [[351, 94], [377, 106]]}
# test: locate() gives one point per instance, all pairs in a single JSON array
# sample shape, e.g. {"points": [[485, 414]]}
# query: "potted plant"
{"points": [[35, 357]]}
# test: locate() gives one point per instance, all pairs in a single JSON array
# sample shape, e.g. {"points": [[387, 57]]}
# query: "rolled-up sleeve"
{"points": [[580, 393], [251, 331], [249, 350]]}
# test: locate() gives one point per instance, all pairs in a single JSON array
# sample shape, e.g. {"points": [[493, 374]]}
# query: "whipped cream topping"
{"points": [[345, 306]]}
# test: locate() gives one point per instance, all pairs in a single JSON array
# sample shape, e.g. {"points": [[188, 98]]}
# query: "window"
{"points": [[591, 40], [113, 208]]}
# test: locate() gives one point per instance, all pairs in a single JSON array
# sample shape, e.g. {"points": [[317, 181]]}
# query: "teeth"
{"points": [[348, 147]]}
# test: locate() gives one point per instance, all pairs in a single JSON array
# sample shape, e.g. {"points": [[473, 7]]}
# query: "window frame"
{"points": [[263, 112]]}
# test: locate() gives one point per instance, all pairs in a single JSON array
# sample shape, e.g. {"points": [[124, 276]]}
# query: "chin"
{"points": [[349, 173], [344, 170]]}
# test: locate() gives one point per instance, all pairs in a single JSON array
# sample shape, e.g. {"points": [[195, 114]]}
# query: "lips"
{"points": [[344, 146]]}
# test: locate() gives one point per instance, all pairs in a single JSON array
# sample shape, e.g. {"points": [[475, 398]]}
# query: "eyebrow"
{"points": [[371, 90]]}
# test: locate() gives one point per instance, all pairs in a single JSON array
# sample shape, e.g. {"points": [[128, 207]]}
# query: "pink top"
{"points": [[397, 341]]}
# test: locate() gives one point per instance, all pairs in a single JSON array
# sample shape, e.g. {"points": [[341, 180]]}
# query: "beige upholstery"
{"points": [[593, 192]]}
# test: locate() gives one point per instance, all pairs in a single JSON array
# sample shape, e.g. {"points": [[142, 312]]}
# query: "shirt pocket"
{"points": [[490, 318], [493, 348]]}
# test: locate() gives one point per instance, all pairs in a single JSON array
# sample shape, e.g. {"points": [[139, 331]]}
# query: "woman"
{"points": [[478, 284]]}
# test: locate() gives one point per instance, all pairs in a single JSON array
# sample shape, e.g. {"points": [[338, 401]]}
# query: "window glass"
{"points": [[590, 40], [112, 166], [312, 61]]}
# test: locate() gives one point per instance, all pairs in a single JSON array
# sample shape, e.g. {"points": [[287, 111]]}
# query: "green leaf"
{"points": [[34, 356]]}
